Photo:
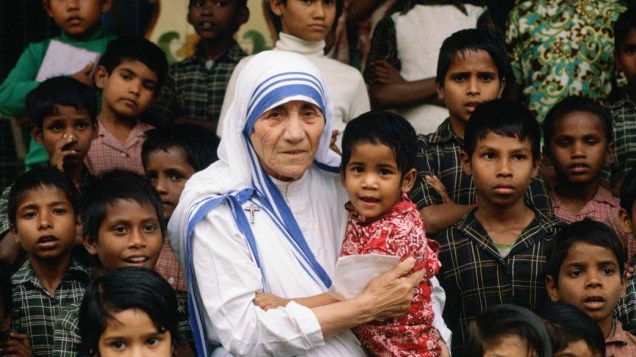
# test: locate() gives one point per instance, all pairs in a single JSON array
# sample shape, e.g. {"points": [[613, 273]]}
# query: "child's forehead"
{"points": [[61, 111], [43, 195], [594, 254], [472, 57], [128, 206], [136, 66], [496, 140]]}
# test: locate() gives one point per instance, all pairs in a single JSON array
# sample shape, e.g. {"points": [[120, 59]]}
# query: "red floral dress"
{"points": [[399, 232]]}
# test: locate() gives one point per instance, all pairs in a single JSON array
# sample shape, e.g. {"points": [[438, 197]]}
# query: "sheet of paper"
{"points": [[353, 273], [63, 59]]}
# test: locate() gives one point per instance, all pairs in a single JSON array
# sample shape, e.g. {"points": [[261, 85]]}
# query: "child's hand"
{"points": [[268, 301], [84, 75], [439, 187], [62, 151], [18, 344], [445, 352], [382, 72]]}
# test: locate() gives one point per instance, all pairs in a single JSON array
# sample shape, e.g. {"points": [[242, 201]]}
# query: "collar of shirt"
{"points": [[602, 196], [26, 274], [233, 54], [445, 134], [620, 336]]}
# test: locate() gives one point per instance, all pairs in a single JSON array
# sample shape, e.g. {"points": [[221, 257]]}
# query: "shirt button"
{"points": [[171, 280], [123, 154]]}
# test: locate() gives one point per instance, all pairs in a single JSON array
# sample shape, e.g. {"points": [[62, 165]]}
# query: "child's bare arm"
{"points": [[439, 217], [268, 301]]}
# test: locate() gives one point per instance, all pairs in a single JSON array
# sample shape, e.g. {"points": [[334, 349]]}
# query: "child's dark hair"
{"points": [[566, 324], [470, 40], [625, 22], [197, 143], [60, 91], [135, 49], [38, 178], [505, 320], [123, 289], [238, 4], [585, 231], [279, 26], [628, 191], [382, 128], [506, 118], [572, 104], [100, 192]]}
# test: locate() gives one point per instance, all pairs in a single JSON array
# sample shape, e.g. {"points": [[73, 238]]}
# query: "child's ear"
{"points": [[95, 129], [37, 133], [90, 246], [46, 4], [466, 166], [242, 16], [609, 155], [439, 88], [625, 221], [341, 171], [14, 233], [100, 77], [276, 6], [553, 289], [106, 6], [535, 167], [502, 87], [408, 180]]}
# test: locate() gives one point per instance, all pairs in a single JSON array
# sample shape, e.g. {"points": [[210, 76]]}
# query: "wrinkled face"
{"points": [[590, 279], [128, 90], [626, 57], [373, 180], [45, 223], [471, 79], [309, 20], [579, 148], [501, 168], [509, 346], [68, 132], [168, 171], [76, 17], [131, 333], [129, 235], [215, 19], [286, 138]]}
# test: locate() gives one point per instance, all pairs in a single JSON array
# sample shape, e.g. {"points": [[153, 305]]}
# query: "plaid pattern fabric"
{"points": [[168, 267], [624, 113], [604, 208], [439, 154], [5, 226], [35, 310], [621, 343], [66, 338], [475, 276], [193, 91], [107, 153], [383, 47], [625, 312]]}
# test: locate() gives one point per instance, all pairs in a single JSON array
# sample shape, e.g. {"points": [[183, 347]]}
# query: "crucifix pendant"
{"points": [[252, 209]]}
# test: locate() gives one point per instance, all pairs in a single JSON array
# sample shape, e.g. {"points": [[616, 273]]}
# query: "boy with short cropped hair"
{"points": [[80, 26], [130, 75], [624, 110], [171, 155], [63, 119], [470, 71], [586, 266], [494, 254], [44, 217], [123, 225], [626, 310], [578, 139], [195, 87]]}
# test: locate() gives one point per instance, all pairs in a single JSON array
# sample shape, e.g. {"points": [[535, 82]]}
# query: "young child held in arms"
{"points": [[470, 71], [510, 331], [63, 114], [44, 217], [129, 74], [123, 225], [572, 332], [626, 310], [79, 22], [377, 169], [586, 266], [132, 312], [195, 87], [171, 155], [578, 142], [495, 253]]}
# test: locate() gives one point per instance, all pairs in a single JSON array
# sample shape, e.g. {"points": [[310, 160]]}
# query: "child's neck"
{"points": [[576, 196], [607, 326], [117, 125], [50, 272], [213, 49], [504, 224]]}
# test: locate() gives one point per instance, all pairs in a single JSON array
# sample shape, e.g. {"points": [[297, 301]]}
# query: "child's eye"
{"points": [[56, 128], [575, 273], [81, 125], [125, 75], [118, 345], [152, 341], [149, 85], [221, 4], [590, 141], [59, 211], [486, 77], [488, 156], [28, 214], [384, 172], [176, 177], [148, 228], [356, 169], [460, 77], [607, 271], [520, 157], [120, 230], [563, 143]]}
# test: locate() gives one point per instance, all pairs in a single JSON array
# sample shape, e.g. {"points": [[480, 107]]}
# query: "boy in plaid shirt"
{"points": [[43, 215], [495, 253]]}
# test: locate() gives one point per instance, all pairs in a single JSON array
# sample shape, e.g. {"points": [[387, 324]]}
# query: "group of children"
{"points": [[499, 240]]}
